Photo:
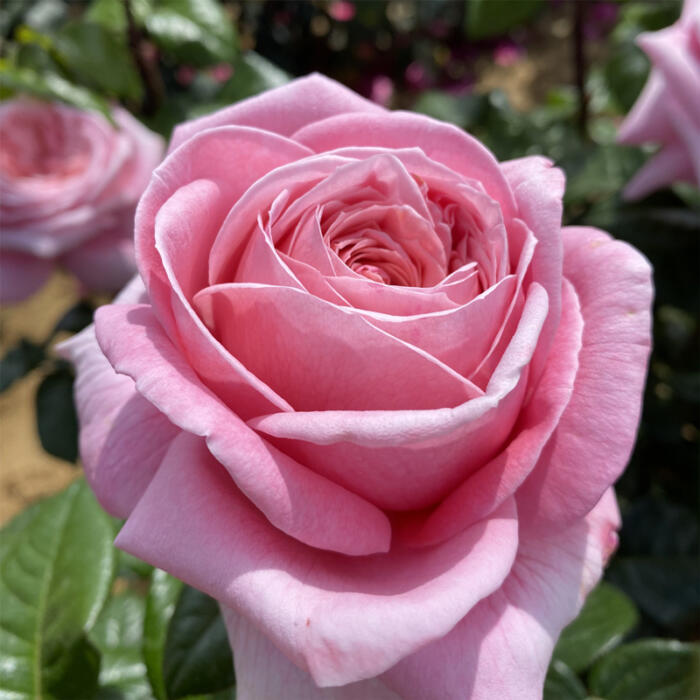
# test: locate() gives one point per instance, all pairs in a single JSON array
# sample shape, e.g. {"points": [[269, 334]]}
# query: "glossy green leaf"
{"points": [[252, 75], [90, 52], [562, 683], [651, 669], [74, 672], [607, 616], [49, 86], [118, 634], [57, 421], [163, 594], [666, 588], [486, 18], [198, 32], [55, 575], [197, 654]]}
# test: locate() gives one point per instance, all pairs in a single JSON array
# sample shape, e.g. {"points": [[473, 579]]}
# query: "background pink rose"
{"points": [[369, 394], [69, 183], [668, 110]]}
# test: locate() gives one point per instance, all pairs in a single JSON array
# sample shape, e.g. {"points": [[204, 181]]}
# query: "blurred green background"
{"points": [[526, 77]]}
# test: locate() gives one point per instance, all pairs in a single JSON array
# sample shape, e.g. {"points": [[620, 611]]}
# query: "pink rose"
{"points": [[369, 395], [668, 110], [69, 184]]}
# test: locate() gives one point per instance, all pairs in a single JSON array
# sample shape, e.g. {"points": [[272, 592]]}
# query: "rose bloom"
{"points": [[69, 184], [667, 111], [369, 394]]}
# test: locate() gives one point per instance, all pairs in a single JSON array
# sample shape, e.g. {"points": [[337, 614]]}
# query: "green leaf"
{"points": [[117, 633], [625, 74], [486, 18], [252, 75], [197, 654], [49, 86], [162, 597], [666, 588], [90, 53], [18, 361], [651, 669], [607, 616], [76, 318], [198, 32], [55, 574], [56, 418], [562, 683], [75, 673]]}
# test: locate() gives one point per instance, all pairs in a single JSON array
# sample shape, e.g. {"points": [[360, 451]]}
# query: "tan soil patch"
{"points": [[27, 473]]}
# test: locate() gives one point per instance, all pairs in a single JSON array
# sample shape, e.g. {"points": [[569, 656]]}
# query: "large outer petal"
{"points": [[408, 459], [298, 501], [263, 672], [502, 648], [283, 110], [341, 618], [595, 435], [123, 438], [177, 221], [538, 189], [499, 478]]}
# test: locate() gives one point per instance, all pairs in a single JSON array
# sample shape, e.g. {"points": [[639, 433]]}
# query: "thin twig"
{"points": [[580, 64], [148, 70]]}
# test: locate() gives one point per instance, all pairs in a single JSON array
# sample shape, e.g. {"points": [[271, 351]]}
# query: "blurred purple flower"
{"points": [[507, 52], [221, 72], [341, 10], [382, 90], [185, 75], [600, 20], [416, 75]]}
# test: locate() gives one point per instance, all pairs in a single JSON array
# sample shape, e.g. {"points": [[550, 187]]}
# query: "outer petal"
{"points": [[176, 222], [502, 648], [295, 499], [669, 165], [498, 479], [350, 365], [539, 188], [21, 274], [122, 436], [283, 110], [407, 459], [343, 619], [264, 673], [442, 142], [594, 438]]}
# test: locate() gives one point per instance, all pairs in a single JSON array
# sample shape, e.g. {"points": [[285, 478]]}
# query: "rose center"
{"points": [[41, 145]]}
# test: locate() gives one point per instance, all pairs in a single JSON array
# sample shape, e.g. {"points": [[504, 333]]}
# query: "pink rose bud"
{"points": [[667, 111], [69, 184], [370, 394]]}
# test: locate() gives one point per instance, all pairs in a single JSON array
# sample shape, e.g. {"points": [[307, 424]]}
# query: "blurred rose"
{"points": [[668, 110], [69, 183], [369, 395]]}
